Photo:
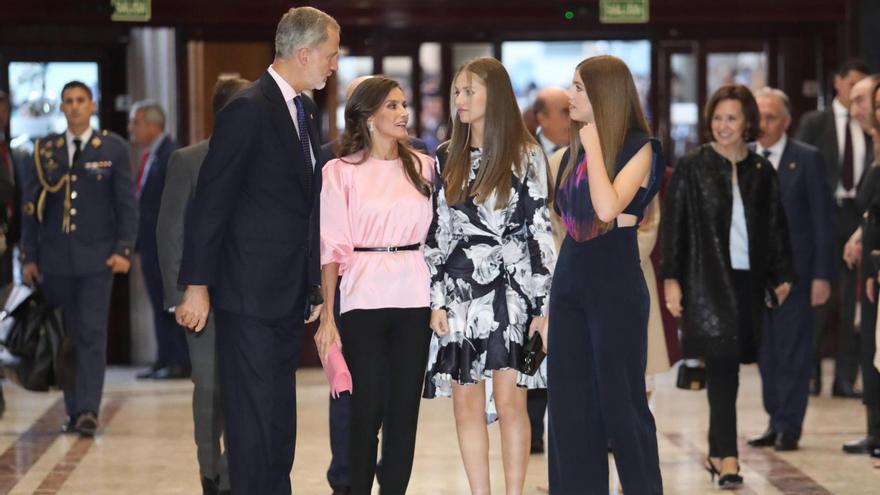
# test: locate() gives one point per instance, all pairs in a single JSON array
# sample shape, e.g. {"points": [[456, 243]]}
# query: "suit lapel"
{"points": [[284, 126]]}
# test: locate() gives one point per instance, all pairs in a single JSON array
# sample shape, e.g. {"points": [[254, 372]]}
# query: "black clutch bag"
{"points": [[691, 377], [533, 355]]}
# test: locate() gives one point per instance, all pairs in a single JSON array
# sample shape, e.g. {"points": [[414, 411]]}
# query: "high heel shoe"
{"points": [[730, 481], [710, 467]]}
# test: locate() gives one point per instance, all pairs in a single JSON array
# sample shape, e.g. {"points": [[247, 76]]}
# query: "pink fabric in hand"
{"points": [[337, 372]]}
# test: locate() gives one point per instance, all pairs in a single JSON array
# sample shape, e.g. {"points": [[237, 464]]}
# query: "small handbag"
{"points": [[533, 355], [691, 376]]}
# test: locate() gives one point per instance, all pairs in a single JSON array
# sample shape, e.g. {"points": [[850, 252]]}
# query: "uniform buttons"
{"points": [[100, 176], [73, 227], [73, 178], [73, 211], [73, 195]]}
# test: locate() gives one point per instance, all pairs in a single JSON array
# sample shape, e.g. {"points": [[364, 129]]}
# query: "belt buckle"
{"points": [[392, 249]]}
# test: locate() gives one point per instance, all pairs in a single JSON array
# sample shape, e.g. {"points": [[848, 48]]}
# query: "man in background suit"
{"points": [[846, 150], [252, 238], [180, 187], [860, 109], [786, 356], [147, 129], [551, 113]]}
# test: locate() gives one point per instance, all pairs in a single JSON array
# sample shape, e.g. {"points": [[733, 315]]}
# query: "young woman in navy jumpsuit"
{"points": [[599, 301]]}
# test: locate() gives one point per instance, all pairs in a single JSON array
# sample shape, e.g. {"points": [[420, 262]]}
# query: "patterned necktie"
{"points": [[77, 143], [767, 154], [303, 130]]}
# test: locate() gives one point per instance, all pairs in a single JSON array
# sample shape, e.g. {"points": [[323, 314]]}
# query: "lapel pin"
{"points": [[96, 142], [59, 142], [792, 165]]}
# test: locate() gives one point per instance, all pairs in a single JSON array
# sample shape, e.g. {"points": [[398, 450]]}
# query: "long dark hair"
{"points": [[505, 139], [364, 102], [616, 108]]}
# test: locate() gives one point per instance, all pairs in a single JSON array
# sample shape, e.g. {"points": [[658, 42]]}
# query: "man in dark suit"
{"points": [[78, 228], [846, 150], [180, 187], [252, 239], [786, 356], [147, 129]]}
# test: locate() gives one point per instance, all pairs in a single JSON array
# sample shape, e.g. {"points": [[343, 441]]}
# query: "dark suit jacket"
{"points": [[252, 233], [809, 208], [151, 196], [818, 129], [180, 187], [102, 194]]}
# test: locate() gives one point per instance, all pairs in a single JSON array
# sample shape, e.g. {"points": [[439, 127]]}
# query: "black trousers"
{"points": [[85, 300], [596, 375], [258, 360], [386, 351], [722, 374]]}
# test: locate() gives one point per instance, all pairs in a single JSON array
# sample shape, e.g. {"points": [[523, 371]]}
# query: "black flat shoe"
{"points": [[209, 486], [86, 424], [766, 439], [845, 390], [861, 446], [786, 442]]}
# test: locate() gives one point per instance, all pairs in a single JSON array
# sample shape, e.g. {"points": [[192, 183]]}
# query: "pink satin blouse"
{"points": [[374, 204]]}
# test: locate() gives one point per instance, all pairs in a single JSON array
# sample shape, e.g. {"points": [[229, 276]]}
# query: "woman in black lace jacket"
{"points": [[726, 254]]}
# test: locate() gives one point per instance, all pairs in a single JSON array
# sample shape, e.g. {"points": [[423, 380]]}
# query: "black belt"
{"points": [[394, 249]]}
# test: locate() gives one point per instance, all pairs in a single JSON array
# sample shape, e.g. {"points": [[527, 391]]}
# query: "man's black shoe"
{"points": [[149, 373], [209, 487], [766, 439], [845, 390], [537, 446], [171, 373], [863, 446], [86, 424], [69, 426], [342, 490], [786, 442]]}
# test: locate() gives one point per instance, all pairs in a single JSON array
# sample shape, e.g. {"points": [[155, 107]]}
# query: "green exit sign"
{"points": [[623, 11], [131, 10]]}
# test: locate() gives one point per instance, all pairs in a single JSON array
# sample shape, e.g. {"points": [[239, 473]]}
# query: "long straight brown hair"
{"points": [[616, 108], [505, 139], [364, 102]]}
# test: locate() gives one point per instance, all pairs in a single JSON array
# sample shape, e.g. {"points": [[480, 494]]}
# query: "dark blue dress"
{"points": [[598, 342]]}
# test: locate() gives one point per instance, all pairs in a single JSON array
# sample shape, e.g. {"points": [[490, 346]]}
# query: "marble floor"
{"points": [[146, 446]]}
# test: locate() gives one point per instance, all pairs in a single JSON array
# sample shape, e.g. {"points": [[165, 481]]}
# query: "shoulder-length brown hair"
{"points": [[364, 102], [616, 108], [505, 139], [744, 96]]}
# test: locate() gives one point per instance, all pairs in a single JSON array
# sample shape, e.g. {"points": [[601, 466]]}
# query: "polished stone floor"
{"points": [[146, 447]]}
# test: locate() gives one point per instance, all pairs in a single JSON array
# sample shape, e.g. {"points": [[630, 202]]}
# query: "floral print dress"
{"points": [[491, 270]]}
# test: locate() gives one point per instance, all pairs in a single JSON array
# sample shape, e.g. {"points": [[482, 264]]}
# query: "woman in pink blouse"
{"points": [[375, 213]]}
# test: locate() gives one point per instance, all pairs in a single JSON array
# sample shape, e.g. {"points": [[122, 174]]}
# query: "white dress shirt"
{"points": [[776, 150], [71, 147], [841, 114], [289, 94]]}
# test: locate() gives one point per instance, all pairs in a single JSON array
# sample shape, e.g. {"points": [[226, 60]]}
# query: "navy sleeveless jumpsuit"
{"points": [[598, 343]]}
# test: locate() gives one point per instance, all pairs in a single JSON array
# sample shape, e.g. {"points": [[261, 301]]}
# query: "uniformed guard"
{"points": [[79, 226]]}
